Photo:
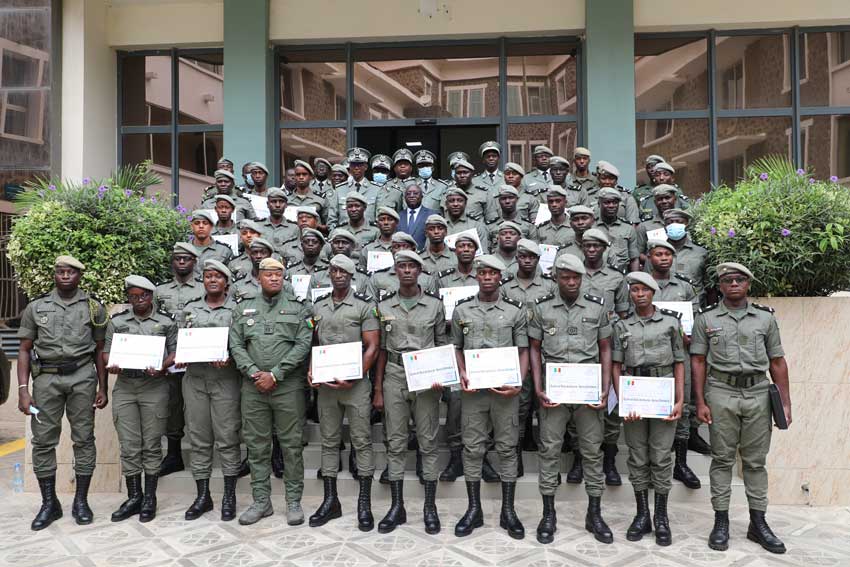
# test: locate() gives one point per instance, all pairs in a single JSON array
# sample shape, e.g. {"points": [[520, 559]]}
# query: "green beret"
{"points": [[277, 193], [490, 261], [677, 213], [653, 159], [508, 190], [250, 225], [580, 151], [260, 165], [581, 210], [70, 261], [511, 225], [402, 255], [342, 233], [559, 161], [307, 231], [308, 211], [605, 167], [436, 219], [642, 278], [463, 163], [344, 263], [665, 166], [387, 211], [271, 264], [355, 196], [227, 198], [609, 193], [515, 167], [556, 190], [570, 263], [185, 248], [399, 237], [339, 168], [468, 237], [224, 173], [140, 282], [542, 150], [203, 214], [658, 243], [305, 165], [322, 160], [218, 267], [663, 189], [456, 191], [261, 243], [526, 245], [596, 234], [733, 267]]}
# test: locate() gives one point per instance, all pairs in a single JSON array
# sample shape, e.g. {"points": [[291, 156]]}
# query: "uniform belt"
{"points": [[64, 367], [395, 357], [737, 380], [650, 371]]}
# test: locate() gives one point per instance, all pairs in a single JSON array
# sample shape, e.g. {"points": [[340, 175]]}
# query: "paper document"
{"points": [[260, 205], [657, 234], [547, 257], [206, 344], [136, 352], [573, 383], [378, 260], [543, 214], [301, 285], [426, 367], [647, 397], [686, 308], [337, 362], [451, 295], [231, 240], [492, 367]]}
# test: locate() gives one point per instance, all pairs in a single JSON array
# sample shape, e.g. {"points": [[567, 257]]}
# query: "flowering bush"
{"points": [[109, 225], [791, 229]]}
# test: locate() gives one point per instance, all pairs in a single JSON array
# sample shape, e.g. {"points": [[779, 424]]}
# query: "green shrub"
{"points": [[109, 225], [789, 228]]}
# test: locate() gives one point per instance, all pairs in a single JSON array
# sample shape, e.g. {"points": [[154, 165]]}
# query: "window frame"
{"points": [[36, 128]]}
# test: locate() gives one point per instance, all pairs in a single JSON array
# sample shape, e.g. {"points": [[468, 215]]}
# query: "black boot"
{"points": [[419, 467], [594, 523], [488, 473], [663, 536], [385, 476], [429, 511], [330, 507], [80, 510], [365, 521], [397, 515], [760, 532], [609, 464], [697, 444], [133, 504], [549, 522], [228, 500], [203, 501], [455, 467], [508, 519], [173, 461], [352, 463], [148, 509], [642, 522], [576, 473], [244, 469], [277, 458], [51, 509], [474, 517], [718, 539], [681, 471], [520, 469]]}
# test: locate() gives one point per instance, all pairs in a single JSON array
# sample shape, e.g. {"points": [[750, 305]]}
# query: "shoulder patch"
{"points": [[465, 300], [707, 308], [506, 279], [767, 308], [493, 221], [387, 269], [619, 269], [162, 311], [323, 296], [445, 273], [195, 300], [122, 312], [548, 276], [513, 302], [545, 298], [594, 298], [544, 223], [474, 216], [431, 293], [387, 296], [671, 313], [363, 296], [684, 278], [361, 270]]}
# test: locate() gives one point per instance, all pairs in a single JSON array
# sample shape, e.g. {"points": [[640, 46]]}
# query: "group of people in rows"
{"points": [[567, 265]]}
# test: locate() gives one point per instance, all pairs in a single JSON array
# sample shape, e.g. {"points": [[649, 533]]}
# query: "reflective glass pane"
{"points": [[741, 141], [825, 69], [671, 74], [684, 144], [825, 145], [198, 153], [201, 89], [749, 71], [542, 79], [25, 128], [313, 85], [11, 181], [310, 143], [146, 90], [559, 136], [25, 29], [136, 148]]}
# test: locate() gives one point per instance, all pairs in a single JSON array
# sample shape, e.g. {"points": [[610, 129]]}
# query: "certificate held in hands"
{"points": [[337, 362], [492, 368], [208, 344], [423, 368], [647, 397], [136, 352], [573, 383]]}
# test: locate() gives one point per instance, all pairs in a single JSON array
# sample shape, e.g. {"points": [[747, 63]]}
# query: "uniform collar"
{"points": [[723, 310], [560, 302], [482, 305], [79, 295], [634, 318]]}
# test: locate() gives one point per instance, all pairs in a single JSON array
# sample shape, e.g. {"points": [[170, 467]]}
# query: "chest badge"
{"points": [[43, 319], [388, 328], [250, 322], [572, 330], [466, 330]]}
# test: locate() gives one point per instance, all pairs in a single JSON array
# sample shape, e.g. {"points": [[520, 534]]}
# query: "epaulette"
{"points": [[194, 300], [684, 278], [387, 296], [432, 294], [682, 196], [767, 308], [323, 296], [671, 313], [237, 299], [473, 216], [548, 276], [220, 244], [361, 270], [162, 311], [297, 299], [594, 298], [386, 269], [544, 223], [291, 263], [506, 279], [199, 279], [445, 273], [465, 299], [707, 308], [623, 219], [319, 268], [624, 190], [491, 221], [540, 300], [239, 276], [513, 302], [645, 217], [116, 314], [480, 187], [619, 269], [363, 296]]}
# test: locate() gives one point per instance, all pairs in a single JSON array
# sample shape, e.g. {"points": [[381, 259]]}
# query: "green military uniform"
{"points": [[279, 234], [555, 234], [408, 325], [690, 261], [648, 207], [313, 198], [570, 334], [377, 245], [530, 199], [479, 325], [385, 281], [466, 222], [212, 251], [479, 202], [438, 262], [608, 283], [645, 227], [338, 215], [360, 281], [364, 234], [628, 207], [738, 345], [299, 268], [336, 323], [624, 247], [528, 230], [490, 181], [271, 334], [433, 191], [243, 209], [576, 195], [64, 381], [140, 402], [586, 183], [222, 230], [389, 195]]}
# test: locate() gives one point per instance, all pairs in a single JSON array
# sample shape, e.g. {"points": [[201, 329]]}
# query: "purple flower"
{"points": [[188, 217], [764, 176], [153, 199], [713, 231], [52, 187], [102, 188], [181, 209], [128, 193], [834, 179], [785, 232], [801, 171], [731, 233], [141, 199], [86, 180], [812, 180]]}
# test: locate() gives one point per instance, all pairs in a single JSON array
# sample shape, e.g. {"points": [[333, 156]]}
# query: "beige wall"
{"points": [[166, 24]]}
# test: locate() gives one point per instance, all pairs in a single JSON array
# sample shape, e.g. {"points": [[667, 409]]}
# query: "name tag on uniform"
{"points": [[572, 330], [268, 328]]}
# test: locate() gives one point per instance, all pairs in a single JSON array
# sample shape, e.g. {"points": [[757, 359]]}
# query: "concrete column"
{"points": [[609, 54], [248, 89]]}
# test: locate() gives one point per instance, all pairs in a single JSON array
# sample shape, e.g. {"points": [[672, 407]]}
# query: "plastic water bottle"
{"points": [[18, 478]]}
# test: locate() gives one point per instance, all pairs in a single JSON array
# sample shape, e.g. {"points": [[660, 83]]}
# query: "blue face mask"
{"points": [[379, 177], [675, 231], [249, 181], [425, 172], [453, 174]]}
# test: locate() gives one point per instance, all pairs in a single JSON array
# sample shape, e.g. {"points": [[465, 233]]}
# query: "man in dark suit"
{"points": [[414, 215]]}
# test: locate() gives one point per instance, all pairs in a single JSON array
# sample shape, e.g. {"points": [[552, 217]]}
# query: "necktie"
{"points": [[546, 176], [357, 187], [492, 177], [426, 185], [410, 216], [321, 185]]}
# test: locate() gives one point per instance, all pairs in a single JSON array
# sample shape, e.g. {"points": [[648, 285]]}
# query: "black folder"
{"points": [[776, 407]]}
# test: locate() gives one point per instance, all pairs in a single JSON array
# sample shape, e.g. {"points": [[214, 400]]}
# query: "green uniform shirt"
{"points": [[219, 230], [377, 245], [432, 192], [344, 322], [642, 230], [741, 342], [212, 251], [586, 183], [173, 296], [63, 331], [492, 181], [529, 201], [455, 278], [677, 288], [623, 237], [241, 265], [389, 195], [365, 233], [653, 341], [420, 327], [479, 204], [466, 222], [435, 263], [198, 315], [609, 284], [156, 324], [313, 198], [569, 333], [528, 292], [243, 210], [338, 215], [477, 325], [690, 261], [628, 207], [384, 282], [279, 234], [556, 234], [528, 230]]}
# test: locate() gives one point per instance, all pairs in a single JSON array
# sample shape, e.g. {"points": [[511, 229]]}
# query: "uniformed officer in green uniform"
{"points": [[411, 319], [269, 343], [541, 156], [648, 342], [342, 243], [403, 170], [624, 251], [479, 204], [690, 259], [389, 194], [607, 176], [208, 248], [663, 174], [346, 316], [224, 208], [734, 344], [507, 198], [385, 281], [387, 224], [62, 336], [458, 220], [310, 264], [560, 170], [437, 256], [241, 264], [358, 162], [507, 237], [665, 199], [211, 394], [529, 193], [645, 189], [319, 183], [581, 176], [140, 398], [225, 184], [491, 178], [310, 191], [277, 229], [570, 327], [582, 219], [432, 188], [489, 320], [556, 231], [355, 207]]}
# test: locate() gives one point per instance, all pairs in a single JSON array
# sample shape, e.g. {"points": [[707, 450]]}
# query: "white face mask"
{"points": [[676, 231], [425, 172], [379, 177]]}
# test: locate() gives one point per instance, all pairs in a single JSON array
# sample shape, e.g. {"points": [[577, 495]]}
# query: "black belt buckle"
{"points": [[69, 368]]}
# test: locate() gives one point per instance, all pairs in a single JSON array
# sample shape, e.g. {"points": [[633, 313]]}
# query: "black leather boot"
{"points": [[397, 515], [80, 510], [760, 532], [455, 467], [696, 443], [642, 522], [51, 509], [520, 469], [718, 539], [549, 522], [508, 519], [419, 467], [133, 504], [228, 500], [330, 507], [474, 517], [385, 476], [244, 469], [681, 471], [173, 461], [594, 523], [488, 473], [365, 520], [148, 510], [609, 465], [203, 501], [576, 473], [429, 511], [352, 463], [277, 458], [663, 536]]}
